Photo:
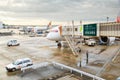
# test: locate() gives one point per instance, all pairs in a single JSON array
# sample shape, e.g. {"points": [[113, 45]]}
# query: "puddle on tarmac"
{"points": [[13, 73]]}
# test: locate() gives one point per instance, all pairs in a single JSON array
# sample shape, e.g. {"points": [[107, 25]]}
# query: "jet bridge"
{"points": [[110, 29]]}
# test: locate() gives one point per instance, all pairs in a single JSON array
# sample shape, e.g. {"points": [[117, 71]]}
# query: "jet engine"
{"points": [[107, 40]]}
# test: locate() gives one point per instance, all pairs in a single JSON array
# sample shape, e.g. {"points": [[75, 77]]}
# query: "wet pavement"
{"points": [[39, 49]]}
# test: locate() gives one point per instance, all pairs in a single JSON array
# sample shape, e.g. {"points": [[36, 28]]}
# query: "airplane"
{"points": [[118, 17], [37, 30], [55, 34]]}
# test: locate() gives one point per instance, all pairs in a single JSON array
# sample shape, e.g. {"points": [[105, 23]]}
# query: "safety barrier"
{"points": [[45, 64], [35, 66], [78, 71], [110, 59]]}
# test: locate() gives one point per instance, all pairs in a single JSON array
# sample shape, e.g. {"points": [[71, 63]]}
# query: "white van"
{"points": [[18, 64], [13, 43]]}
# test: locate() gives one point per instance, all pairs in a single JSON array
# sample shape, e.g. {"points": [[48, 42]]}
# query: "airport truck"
{"points": [[90, 42]]}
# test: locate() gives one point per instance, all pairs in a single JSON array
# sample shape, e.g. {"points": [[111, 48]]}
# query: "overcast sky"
{"points": [[57, 11]]}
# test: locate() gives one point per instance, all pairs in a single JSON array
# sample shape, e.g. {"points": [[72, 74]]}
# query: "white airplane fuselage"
{"points": [[54, 34]]}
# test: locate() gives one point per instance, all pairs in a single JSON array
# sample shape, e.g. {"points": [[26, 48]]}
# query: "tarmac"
{"points": [[39, 49]]}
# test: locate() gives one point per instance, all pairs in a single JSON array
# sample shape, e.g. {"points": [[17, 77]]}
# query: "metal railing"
{"points": [[94, 77], [35, 66], [72, 45], [62, 66], [110, 59]]}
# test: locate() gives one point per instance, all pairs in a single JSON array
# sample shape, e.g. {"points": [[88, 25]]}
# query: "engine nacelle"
{"points": [[106, 40]]}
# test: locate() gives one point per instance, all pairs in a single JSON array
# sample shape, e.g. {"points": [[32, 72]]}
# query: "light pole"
{"points": [[107, 19]]}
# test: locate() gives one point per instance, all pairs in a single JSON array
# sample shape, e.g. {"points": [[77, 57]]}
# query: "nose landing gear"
{"points": [[59, 44]]}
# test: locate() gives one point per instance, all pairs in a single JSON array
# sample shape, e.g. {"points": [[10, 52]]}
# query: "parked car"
{"points": [[13, 43], [18, 64]]}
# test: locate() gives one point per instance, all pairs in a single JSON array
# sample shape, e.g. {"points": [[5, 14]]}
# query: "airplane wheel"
{"points": [[13, 69], [59, 45]]}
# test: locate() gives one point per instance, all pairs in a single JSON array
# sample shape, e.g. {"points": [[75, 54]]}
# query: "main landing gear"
{"points": [[59, 44]]}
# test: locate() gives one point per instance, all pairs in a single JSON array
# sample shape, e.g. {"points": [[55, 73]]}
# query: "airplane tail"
{"points": [[118, 19], [49, 25], [60, 29]]}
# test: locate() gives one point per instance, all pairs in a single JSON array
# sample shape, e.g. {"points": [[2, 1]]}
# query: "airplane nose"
{"points": [[48, 36], [53, 36]]}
